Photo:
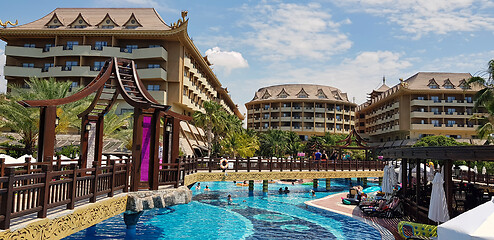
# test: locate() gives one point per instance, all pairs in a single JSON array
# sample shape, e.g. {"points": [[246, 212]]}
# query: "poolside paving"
{"points": [[386, 226]]}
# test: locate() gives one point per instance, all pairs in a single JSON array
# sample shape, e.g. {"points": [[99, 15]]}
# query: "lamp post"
{"points": [[57, 120], [88, 127]]}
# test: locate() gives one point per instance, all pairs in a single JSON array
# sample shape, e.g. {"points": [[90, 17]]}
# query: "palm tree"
{"points": [[211, 119], [243, 144], [25, 121], [274, 143], [484, 98]]}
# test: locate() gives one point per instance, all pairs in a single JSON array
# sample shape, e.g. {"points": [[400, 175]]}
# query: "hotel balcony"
{"points": [[152, 73], [15, 71], [87, 50], [319, 119], [286, 109], [160, 96], [319, 129], [320, 110], [286, 119], [285, 128]]}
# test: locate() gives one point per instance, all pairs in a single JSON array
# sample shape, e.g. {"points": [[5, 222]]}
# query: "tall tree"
{"points": [[484, 98], [25, 121], [211, 119]]}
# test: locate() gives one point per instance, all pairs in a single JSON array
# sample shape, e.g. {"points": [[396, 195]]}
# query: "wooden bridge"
{"points": [[34, 189]]}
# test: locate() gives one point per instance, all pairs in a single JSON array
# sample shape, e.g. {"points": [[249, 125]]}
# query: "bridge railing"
{"points": [[286, 164], [22, 194]]}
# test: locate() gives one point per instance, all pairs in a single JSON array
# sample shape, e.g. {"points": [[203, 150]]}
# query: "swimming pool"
{"points": [[248, 216]]}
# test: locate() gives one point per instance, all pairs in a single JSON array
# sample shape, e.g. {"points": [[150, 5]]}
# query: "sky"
{"points": [[349, 44]]}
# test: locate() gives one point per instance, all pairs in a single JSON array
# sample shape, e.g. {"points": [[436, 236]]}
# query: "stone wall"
{"points": [[144, 200]]}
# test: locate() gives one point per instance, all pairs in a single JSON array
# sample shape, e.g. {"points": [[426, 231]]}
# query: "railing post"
{"points": [[59, 162], [196, 164], [73, 186], [128, 166], [28, 165], [112, 180], [94, 186], [45, 193], [2, 167], [271, 164], [301, 163], [310, 164], [7, 198], [291, 164], [248, 164], [236, 164], [259, 163], [280, 160], [177, 183], [210, 164]]}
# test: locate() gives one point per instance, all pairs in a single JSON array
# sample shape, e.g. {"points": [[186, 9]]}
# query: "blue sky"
{"points": [[347, 44]]}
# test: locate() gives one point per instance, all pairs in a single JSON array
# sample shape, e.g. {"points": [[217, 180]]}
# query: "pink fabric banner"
{"points": [[146, 141]]}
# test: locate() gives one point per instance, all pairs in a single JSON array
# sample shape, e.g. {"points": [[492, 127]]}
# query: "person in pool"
{"points": [[198, 187], [229, 199], [312, 193], [286, 190], [207, 188], [280, 191]]}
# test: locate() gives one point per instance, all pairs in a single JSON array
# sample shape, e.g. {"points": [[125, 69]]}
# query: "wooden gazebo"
{"points": [[117, 77]]}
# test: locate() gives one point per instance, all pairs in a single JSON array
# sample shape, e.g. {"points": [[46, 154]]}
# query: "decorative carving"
{"points": [[403, 83], [180, 21], [78, 220], [8, 22], [242, 176]]}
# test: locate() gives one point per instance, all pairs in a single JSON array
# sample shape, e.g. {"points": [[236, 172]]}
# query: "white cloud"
{"points": [[226, 61], [286, 31], [421, 17], [3, 82]]}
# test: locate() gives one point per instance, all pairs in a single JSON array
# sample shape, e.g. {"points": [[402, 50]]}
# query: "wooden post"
{"points": [[175, 138], [84, 142], [315, 183], [271, 164], [264, 186], [259, 163], [281, 164], [179, 165], [2, 169], [301, 163], [404, 182], [236, 164], [210, 165], [45, 192], [72, 186], [310, 164], [154, 161], [128, 169], [112, 180], [251, 185], [46, 139], [248, 164], [98, 146], [136, 150], [291, 164], [417, 182], [7, 199], [94, 185]]}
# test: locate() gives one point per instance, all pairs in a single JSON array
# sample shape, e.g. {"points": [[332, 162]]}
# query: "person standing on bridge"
{"points": [[317, 157]]}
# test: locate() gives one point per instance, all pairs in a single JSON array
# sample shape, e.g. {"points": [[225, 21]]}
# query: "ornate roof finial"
{"points": [[7, 23], [180, 21], [384, 80]]}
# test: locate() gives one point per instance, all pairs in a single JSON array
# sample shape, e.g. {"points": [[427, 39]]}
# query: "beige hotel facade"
{"points": [[72, 44], [427, 103], [305, 109]]}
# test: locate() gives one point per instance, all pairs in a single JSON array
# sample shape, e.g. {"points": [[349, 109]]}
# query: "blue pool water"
{"points": [[249, 216]]}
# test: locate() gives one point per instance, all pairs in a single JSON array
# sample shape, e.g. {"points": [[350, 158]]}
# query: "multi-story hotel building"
{"points": [[72, 44], [424, 104], [303, 108]]}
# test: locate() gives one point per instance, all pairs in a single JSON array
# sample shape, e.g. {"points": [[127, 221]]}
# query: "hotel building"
{"points": [[303, 108], [425, 104], [72, 44]]}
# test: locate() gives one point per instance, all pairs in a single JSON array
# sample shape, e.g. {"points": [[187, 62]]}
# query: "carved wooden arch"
{"points": [[117, 77], [361, 144]]}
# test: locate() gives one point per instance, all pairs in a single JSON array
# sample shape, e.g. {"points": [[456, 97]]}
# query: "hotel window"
{"points": [[435, 123], [451, 123], [107, 26], [433, 86], [98, 45], [129, 48], [29, 45], [435, 111], [422, 121], [28, 65], [282, 96], [451, 111], [266, 116], [435, 99], [69, 65], [154, 46], [46, 67], [73, 85], [154, 66], [70, 45], [186, 72], [152, 87], [266, 125], [468, 99], [98, 65], [450, 99], [420, 98], [266, 107], [338, 108], [47, 47]]}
